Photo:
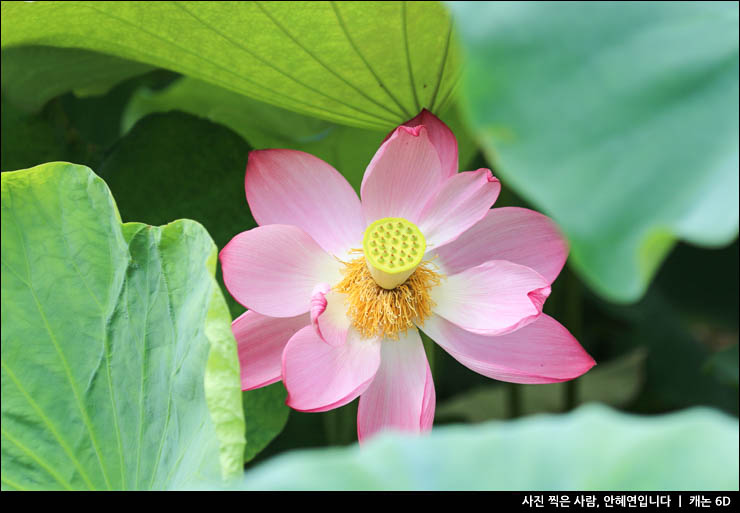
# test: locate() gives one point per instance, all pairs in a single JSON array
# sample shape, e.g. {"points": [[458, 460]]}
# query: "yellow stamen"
{"points": [[376, 311]]}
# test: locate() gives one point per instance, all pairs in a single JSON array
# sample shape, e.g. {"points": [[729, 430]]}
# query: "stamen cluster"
{"points": [[379, 312]]}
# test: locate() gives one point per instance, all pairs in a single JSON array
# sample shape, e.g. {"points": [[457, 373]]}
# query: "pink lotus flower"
{"points": [[337, 288]]}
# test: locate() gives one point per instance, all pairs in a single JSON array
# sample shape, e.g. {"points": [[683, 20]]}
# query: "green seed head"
{"points": [[396, 239]]}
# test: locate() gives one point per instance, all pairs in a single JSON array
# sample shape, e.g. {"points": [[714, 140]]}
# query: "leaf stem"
{"points": [[573, 317], [340, 424], [514, 397]]}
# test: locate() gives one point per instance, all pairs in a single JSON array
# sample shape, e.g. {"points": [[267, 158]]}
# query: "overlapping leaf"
{"points": [[367, 64], [593, 448], [618, 120], [200, 175], [109, 331]]}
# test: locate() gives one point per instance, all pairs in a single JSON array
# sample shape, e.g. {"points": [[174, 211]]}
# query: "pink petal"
{"points": [[491, 299], [541, 352], [260, 341], [273, 269], [403, 176], [515, 234], [321, 377], [401, 397], [318, 302], [462, 201], [329, 315], [441, 137], [293, 187]]}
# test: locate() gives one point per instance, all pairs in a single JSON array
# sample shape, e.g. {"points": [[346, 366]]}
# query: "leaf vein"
{"points": [[60, 353], [49, 425], [152, 58], [404, 24], [442, 67], [354, 46], [28, 452]]}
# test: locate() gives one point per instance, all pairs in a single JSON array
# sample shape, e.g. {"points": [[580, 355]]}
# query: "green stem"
{"points": [[515, 400], [340, 424], [330, 427], [573, 318]]}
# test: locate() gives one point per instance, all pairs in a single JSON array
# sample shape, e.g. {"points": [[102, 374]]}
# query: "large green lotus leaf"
{"points": [[348, 149], [593, 448], [368, 64], [620, 120], [109, 332], [177, 165], [32, 75], [615, 383]]}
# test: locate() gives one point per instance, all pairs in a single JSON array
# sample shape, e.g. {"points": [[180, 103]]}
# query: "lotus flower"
{"points": [[336, 288]]}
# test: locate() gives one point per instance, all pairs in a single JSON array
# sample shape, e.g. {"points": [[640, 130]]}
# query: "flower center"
{"points": [[379, 312], [393, 250], [388, 289]]}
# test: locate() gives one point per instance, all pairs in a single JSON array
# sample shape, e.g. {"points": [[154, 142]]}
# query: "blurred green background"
{"points": [[618, 120]]}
